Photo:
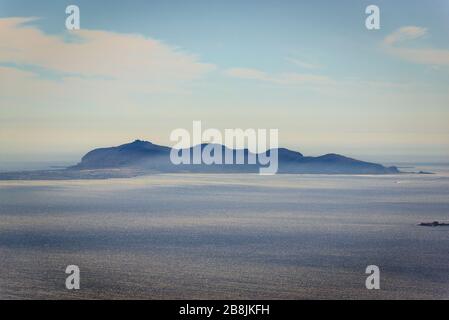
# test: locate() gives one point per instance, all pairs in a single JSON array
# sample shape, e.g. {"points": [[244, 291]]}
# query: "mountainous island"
{"points": [[143, 157]]}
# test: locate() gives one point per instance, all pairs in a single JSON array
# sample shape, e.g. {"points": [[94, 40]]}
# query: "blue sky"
{"points": [[309, 68]]}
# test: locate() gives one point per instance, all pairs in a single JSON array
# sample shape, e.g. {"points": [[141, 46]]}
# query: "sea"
{"points": [[227, 236]]}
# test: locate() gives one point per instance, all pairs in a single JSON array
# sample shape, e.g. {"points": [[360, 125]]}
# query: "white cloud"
{"points": [[427, 56], [127, 58]]}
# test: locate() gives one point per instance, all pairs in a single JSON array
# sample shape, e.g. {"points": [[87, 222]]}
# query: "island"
{"points": [[143, 157]]}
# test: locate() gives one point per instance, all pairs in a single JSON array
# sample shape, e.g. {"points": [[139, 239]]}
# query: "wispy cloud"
{"points": [[285, 78], [405, 33], [303, 64], [428, 56]]}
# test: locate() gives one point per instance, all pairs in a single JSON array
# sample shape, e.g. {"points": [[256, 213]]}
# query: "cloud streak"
{"points": [[285, 78], [426, 56], [303, 64], [405, 33]]}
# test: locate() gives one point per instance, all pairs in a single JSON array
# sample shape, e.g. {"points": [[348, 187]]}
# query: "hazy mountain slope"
{"points": [[147, 156]]}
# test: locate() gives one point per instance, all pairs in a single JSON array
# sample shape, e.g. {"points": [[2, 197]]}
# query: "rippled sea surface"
{"points": [[226, 237]]}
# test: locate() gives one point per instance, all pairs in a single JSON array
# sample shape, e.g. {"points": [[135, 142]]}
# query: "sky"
{"points": [[140, 69]]}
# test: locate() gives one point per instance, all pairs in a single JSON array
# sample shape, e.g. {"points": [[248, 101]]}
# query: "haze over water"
{"points": [[226, 236]]}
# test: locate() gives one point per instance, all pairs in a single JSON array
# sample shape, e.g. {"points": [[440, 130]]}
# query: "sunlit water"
{"points": [[226, 236]]}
